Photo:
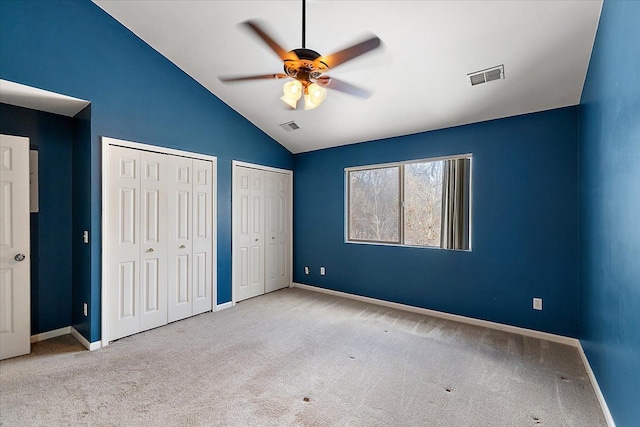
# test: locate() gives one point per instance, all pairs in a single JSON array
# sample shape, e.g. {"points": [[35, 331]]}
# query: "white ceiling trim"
{"points": [[37, 99]]}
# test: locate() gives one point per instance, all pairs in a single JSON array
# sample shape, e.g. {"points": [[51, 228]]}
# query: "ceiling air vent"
{"points": [[484, 76], [289, 126]]}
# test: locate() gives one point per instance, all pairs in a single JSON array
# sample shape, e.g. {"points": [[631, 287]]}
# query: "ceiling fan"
{"points": [[307, 67]]}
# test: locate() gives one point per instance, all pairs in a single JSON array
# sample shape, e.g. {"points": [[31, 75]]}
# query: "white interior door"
{"points": [[248, 226], [124, 242], [277, 269], [202, 236], [15, 255], [153, 240], [180, 243]]}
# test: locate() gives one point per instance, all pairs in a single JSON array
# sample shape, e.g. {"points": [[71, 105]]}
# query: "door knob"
{"points": [[19, 257], [273, 237], [257, 240], [150, 250], [182, 246]]}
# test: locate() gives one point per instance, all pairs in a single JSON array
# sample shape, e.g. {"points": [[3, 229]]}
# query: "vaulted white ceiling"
{"points": [[418, 78]]}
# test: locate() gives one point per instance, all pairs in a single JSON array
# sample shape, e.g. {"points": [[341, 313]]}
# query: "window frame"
{"points": [[401, 200]]}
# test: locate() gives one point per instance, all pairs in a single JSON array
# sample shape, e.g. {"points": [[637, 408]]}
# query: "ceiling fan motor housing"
{"points": [[306, 67]]}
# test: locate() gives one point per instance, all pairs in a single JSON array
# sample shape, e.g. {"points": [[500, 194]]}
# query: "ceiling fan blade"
{"points": [[259, 77], [349, 53], [342, 86], [260, 32]]}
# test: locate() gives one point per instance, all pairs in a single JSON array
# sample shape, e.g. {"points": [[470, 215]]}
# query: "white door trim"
{"points": [[106, 144], [234, 214]]}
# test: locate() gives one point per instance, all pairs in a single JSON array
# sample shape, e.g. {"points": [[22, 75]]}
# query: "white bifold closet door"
{"points": [[137, 242], [261, 231], [190, 238], [249, 233], [277, 224], [154, 200]]}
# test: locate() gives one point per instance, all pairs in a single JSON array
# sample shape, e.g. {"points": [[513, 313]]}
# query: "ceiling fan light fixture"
{"points": [[314, 96], [292, 92], [306, 67], [291, 102]]}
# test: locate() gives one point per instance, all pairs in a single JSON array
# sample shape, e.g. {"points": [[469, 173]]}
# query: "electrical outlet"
{"points": [[537, 303], [84, 309], [306, 269], [322, 271]]}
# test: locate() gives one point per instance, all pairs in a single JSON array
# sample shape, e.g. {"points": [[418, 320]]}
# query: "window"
{"points": [[374, 210], [416, 203], [423, 203]]}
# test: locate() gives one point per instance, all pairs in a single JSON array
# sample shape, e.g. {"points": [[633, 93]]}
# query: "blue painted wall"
{"points": [[610, 210], [52, 136], [524, 214], [74, 48]]}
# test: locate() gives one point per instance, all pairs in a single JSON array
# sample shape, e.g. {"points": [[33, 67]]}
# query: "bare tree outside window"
{"points": [[423, 203], [374, 205]]}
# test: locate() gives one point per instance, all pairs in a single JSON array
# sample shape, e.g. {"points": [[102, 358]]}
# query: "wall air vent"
{"points": [[289, 126], [484, 76]]}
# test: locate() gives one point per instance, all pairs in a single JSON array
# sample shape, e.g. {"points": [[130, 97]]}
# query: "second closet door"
{"points": [[261, 231]]}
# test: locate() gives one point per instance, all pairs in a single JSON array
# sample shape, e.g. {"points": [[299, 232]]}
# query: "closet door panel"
{"points": [[243, 239], [256, 259], [124, 242], [153, 237], [202, 235], [284, 229], [278, 273], [127, 301], [271, 252], [248, 231], [180, 245]]}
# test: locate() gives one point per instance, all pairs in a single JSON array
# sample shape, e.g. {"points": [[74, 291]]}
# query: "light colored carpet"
{"points": [[296, 357]]}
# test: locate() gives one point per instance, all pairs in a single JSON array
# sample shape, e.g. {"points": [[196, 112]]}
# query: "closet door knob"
{"points": [[182, 246], [19, 257], [257, 240], [150, 250]]}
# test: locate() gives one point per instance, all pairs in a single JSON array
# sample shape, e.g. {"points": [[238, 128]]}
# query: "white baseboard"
{"points": [[596, 387], [64, 331], [51, 334], [220, 307], [455, 317], [82, 340]]}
